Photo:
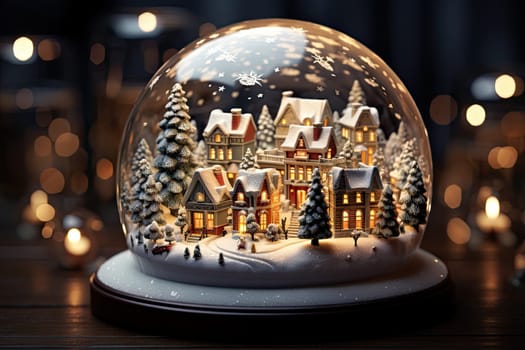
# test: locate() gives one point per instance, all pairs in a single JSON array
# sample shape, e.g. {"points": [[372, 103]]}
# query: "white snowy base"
{"points": [[282, 264], [418, 273]]}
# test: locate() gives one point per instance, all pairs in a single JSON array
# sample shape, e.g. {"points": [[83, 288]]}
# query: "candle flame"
{"points": [[492, 207]]}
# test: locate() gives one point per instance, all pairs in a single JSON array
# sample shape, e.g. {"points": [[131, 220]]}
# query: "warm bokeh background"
{"points": [[67, 88]]}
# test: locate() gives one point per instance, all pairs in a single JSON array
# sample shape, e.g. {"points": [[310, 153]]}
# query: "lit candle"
{"points": [[492, 220], [76, 243]]}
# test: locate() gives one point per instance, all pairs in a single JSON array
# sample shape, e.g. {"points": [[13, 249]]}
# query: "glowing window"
{"points": [[199, 197], [301, 143], [359, 136], [344, 132], [372, 218], [358, 219], [325, 122], [210, 221], [221, 154], [218, 138], [309, 173], [300, 173], [345, 198], [240, 196], [283, 121], [329, 154], [358, 198], [307, 122], [230, 154], [263, 220], [370, 156], [212, 153], [242, 223], [372, 196], [345, 220], [292, 173], [264, 196], [371, 136], [198, 220]]}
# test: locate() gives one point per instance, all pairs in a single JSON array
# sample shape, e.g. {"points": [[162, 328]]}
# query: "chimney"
{"points": [[236, 118], [287, 93], [318, 128], [217, 172]]}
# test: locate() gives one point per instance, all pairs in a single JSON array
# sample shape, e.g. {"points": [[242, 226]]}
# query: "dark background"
{"points": [[435, 47]]}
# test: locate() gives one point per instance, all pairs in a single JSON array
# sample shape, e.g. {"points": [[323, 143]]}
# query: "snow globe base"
{"points": [[420, 293]]}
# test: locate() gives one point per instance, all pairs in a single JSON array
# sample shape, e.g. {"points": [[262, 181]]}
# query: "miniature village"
{"points": [[301, 177]]}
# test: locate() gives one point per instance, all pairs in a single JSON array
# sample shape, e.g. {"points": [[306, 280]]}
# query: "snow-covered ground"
{"points": [[285, 263]]}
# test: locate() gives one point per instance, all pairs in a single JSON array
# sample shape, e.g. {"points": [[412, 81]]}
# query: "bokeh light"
{"points": [[452, 196], [443, 109], [66, 144], [458, 231], [23, 49], [505, 86], [57, 127], [97, 54], [475, 115], [48, 49], [52, 180], [104, 169], [147, 22], [42, 146], [45, 212]]}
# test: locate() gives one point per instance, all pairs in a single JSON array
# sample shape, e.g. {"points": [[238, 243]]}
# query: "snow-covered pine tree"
{"points": [[402, 133], [402, 166], [141, 177], [200, 154], [386, 223], [380, 164], [248, 161], [181, 220], [314, 221], [175, 158], [125, 196], [337, 130], [265, 130], [356, 95], [413, 199], [153, 232], [252, 227], [169, 234], [143, 151], [150, 199], [347, 152], [196, 134]]}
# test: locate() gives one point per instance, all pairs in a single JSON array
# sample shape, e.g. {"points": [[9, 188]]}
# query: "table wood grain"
{"points": [[45, 306]]}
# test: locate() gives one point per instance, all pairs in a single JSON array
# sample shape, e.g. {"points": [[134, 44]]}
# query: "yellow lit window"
{"points": [[264, 220], [212, 153], [307, 122], [370, 156], [209, 221], [242, 223], [365, 129], [300, 174], [372, 196], [344, 132], [198, 220], [325, 122], [329, 154], [283, 121], [345, 220], [309, 173], [358, 198], [372, 218], [358, 219], [230, 154], [218, 138], [292, 173], [240, 196], [301, 143], [371, 136], [199, 197], [359, 136], [221, 154], [345, 198], [264, 196]]}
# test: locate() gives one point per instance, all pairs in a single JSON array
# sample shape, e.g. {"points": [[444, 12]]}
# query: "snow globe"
{"points": [[275, 170]]}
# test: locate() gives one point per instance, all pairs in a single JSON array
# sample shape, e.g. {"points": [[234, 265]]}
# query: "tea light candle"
{"points": [[492, 220], [75, 243]]}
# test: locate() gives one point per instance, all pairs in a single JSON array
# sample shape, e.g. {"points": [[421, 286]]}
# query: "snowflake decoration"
{"points": [[248, 79], [324, 61], [226, 56]]}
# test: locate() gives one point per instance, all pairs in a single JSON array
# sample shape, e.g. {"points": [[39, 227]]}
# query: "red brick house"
{"points": [[353, 199], [259, 189], [307, 147], [227, 137], [208, 200]]}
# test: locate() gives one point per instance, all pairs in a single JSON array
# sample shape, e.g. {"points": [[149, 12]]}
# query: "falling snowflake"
{"points": [[221, 88], [221, 74], [226, 56], [248, 79], [260, 95], [320, 88], [323, 61], [276, 70]]}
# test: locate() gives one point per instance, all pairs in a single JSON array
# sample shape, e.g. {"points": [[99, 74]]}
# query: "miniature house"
{"points": [[307, 147], [359, 124], [208, 200], [227, 137], [353, 195], [300, 111], [259, 189]]}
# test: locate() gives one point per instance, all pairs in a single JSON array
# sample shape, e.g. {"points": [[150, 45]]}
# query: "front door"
{"points": [[301, 197], [197, 219]]}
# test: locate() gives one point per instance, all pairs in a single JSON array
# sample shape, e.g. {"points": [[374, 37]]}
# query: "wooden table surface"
{"points": [[44, 306]]}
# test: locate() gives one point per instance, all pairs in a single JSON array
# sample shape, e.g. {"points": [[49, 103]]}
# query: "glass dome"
{"points": [[295, 97]]}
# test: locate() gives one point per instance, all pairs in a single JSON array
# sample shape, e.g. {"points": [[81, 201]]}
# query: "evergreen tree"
{"points": [[142, 152], [386, 222], [252, 227], [402, 165], [153, 232], [347, 152], [314, 221], [356, 95], [402, 133], [337, 130], [201, 155], [169, 233], [413, 199], [151, 210], [265, 130], [125, 196], [379, 162], [248, 161], [181, 220], [136, 204], [175, 160]]}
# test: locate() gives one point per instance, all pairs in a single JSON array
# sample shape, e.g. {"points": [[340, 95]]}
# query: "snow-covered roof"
{"points": [[252, 180], [304, 108], [307, 132], [361, 178], [353, 120], [223, 121], [214, 189]]}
